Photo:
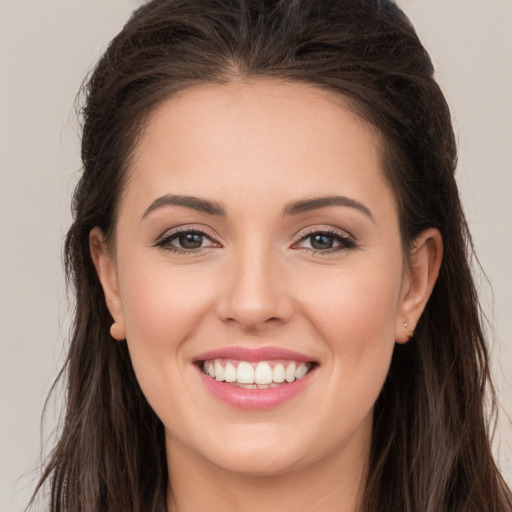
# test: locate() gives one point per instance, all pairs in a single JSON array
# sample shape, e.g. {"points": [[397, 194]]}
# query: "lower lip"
{"points": [[255, 399]]}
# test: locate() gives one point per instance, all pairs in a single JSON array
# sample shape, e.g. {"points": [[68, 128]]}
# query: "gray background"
{"points": [[47, 47]]}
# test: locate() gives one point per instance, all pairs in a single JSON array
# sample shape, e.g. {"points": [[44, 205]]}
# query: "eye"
{"points": [[186, 240], [325, 241], [189, 240]]}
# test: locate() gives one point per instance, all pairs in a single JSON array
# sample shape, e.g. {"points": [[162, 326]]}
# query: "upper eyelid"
{"points": [[188, 229], [323, 229]]}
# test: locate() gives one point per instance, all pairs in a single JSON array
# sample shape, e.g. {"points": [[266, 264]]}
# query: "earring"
{"points": [[117, 331], [410, 332]]}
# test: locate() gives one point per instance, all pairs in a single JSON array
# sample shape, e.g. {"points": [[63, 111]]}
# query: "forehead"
{"points": [[263, 105], [255, 136]]}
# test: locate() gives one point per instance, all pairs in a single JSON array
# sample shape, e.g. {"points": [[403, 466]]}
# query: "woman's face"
{"points": [[256, 236]]}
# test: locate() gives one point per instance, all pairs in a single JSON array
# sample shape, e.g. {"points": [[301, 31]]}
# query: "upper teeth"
{"points": [[263, 372]]}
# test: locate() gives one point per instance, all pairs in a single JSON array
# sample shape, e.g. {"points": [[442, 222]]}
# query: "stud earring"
{"points": [[117, 331], [410, 332]]}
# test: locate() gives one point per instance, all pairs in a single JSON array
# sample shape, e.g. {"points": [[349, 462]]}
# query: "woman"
{"points": [[274, 303]]}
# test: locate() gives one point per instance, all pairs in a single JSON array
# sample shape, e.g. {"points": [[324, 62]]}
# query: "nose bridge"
{"points": [[255, 294]]}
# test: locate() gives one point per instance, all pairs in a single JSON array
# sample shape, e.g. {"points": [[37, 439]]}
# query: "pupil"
{"points": [[191, 241], [322, 242]]}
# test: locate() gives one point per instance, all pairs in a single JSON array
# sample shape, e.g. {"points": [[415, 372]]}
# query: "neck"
{"points": [[333, 483]]}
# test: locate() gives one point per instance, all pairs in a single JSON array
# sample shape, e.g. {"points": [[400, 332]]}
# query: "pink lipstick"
{"points": [[255, 379], [253, 354]]}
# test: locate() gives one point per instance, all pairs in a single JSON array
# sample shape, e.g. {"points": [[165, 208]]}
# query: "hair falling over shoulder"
{"points": [[431, 436]]}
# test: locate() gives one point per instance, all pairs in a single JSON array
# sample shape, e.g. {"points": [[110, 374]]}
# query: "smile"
{"points": [[255, 379], [256, 375]]}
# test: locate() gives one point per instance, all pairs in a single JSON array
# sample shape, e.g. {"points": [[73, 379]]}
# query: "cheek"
{"points": [[162, 309], [356, 319], [162, 304], [364, 303]]}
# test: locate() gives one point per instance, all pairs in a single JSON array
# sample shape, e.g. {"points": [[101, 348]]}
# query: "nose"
{"points": [[255, 295]]}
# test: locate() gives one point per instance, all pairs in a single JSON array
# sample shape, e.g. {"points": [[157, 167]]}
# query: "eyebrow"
{"points": [[293, 208], [195, 203], [308, 205]]}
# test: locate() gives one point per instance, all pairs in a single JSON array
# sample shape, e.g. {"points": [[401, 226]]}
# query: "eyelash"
{"points": [[346, 242], [164, 241]]}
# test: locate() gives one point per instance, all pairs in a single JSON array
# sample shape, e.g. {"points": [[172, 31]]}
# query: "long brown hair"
{"points": [[430, 446]]}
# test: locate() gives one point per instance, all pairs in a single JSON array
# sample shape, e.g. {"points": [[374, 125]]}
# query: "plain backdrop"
{"points": [[46, 49]]}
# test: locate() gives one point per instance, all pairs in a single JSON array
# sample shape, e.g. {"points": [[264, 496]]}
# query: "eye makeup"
{"points": [[187, 240], [194, 239], [324, 240]]}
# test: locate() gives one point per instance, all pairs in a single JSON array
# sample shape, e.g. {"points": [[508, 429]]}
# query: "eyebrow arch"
{"points": [[195, 203], [307, 205]]}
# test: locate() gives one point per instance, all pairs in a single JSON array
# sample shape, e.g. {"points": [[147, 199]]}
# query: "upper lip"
{"points": [[252, 354]]}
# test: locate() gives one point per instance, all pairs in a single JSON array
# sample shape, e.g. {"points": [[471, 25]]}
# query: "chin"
{"points": [[258, 450], [262, 461]]}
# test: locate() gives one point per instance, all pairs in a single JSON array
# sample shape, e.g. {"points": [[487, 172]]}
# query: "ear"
{"points": [[420, 277], [105, 265]]}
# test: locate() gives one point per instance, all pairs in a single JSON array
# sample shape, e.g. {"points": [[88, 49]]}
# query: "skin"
{"points": [[253, 147]]}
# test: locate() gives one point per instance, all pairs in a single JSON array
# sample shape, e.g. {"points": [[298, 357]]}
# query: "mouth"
{"points": [[256, 374], [255, 379]]}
